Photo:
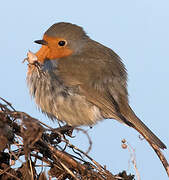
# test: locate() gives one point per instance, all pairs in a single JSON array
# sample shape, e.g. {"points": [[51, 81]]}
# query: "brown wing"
{"points": [[101, 78]]}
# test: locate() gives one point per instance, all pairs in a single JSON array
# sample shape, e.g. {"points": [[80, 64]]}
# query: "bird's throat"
{"points": [[42, 54], [47, 53]]}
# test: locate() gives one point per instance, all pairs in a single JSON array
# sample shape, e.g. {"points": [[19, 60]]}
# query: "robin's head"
{"points": [[61, 40]]}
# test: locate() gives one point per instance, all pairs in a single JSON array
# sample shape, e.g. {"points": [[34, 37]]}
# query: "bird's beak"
{"points": [[43, 42]]}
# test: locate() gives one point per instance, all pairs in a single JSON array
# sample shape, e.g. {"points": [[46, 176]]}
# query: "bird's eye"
{"points": [[61, 43]]}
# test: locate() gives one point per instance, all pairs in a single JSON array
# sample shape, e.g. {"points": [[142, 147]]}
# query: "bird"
{"points": [[82, 82]]}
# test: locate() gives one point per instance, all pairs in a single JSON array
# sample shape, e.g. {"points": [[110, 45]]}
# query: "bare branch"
{"points": [[42, 146]]}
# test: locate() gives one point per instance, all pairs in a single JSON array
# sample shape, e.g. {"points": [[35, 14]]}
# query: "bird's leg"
{"points": [[65, 130]]}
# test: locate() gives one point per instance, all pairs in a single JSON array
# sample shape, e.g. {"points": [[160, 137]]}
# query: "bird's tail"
{"points": [[151, 138], [137, 124]]}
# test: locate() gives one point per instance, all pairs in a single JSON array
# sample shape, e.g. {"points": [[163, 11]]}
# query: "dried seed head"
{"points": [[31, 57], [123, 141], [124, 146]]}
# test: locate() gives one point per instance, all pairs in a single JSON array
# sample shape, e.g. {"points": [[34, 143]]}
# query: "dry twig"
{"points": [[41, 146]]}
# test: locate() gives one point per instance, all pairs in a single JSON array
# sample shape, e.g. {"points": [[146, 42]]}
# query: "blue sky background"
{"points": [[136, 30]]}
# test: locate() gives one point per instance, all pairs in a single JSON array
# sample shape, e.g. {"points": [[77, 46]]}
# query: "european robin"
{"points": [[81, 82]]}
